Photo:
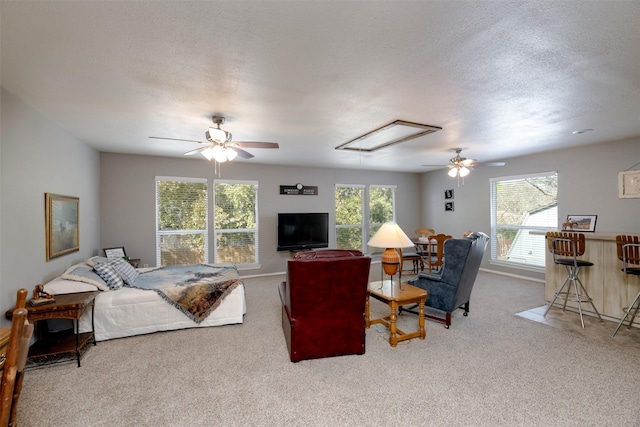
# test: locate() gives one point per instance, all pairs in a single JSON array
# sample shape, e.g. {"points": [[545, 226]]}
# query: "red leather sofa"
{"points": [[323, 303]]}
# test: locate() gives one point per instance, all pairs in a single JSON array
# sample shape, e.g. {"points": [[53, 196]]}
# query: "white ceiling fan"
{"points": [[461, 166], [220, 146]]}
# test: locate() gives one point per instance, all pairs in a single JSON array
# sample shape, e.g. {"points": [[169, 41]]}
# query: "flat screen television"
{"points": [[301, 231]]}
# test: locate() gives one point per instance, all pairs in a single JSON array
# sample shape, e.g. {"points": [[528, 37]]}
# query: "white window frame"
{"points": [[370, 225], [160, 233], [256, 230], [366, 225], [537, 240], [362, 222]]}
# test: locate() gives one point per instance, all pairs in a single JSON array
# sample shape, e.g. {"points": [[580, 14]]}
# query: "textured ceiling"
{"points": [[502, 78]]}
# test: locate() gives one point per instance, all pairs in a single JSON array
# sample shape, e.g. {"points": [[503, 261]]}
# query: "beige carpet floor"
{"points": [[492, 368]]}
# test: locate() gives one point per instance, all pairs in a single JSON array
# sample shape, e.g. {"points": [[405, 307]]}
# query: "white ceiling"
{"points": [[502, 78]]}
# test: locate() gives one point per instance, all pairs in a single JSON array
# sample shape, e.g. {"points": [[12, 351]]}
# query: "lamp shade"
{"points": [[390, 235]]}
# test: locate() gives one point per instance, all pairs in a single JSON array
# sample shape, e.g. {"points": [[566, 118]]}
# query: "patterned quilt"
{"points": [[196, 290]]}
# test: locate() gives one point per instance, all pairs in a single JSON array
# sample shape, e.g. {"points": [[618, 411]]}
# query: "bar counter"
{"points": [[611, 289]]}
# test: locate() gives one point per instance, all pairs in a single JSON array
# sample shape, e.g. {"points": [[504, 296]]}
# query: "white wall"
{"points": [[38, 157], [128, 198], [587, 185]]}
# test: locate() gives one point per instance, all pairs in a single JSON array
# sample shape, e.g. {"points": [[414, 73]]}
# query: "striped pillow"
{"points": [[109, 274], [126, 271]]}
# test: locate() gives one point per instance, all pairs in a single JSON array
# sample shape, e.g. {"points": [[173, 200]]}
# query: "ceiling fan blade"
{"points": [[196, 151], [255, 144], [176, 139], [489, 164], [241, 152]]}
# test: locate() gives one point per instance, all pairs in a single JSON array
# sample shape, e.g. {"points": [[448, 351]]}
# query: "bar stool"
{"points": [[628, 248], [566, 247]]}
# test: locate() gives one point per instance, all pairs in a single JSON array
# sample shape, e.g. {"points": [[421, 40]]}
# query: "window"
{"points": [[354, 224], [519, 205], [349, 216], [235, 220], [382, 201], [181, 221]]}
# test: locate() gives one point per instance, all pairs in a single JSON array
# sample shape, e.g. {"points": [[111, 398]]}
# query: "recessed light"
{"points": [[577, 132]]}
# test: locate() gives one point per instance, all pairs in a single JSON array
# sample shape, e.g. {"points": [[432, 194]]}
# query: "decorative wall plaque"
{"points": [[629, 184], [299, 190]]}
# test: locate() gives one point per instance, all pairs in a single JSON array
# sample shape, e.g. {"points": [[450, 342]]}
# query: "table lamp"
{"points": [[391, 237]]}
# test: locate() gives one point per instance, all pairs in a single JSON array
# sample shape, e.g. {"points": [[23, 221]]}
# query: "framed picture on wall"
{"points": [[448, 194], [62, 224], [582, 222], [629, 185], [448, 206]]}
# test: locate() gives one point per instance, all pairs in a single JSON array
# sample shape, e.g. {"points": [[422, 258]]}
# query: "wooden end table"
{"points": [[390, 294], [50, 347]]}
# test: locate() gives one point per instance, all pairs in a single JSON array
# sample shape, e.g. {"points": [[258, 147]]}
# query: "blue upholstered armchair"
{"points": [[451, 287]]}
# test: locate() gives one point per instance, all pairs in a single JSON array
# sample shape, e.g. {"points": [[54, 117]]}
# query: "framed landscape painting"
{"points": [[62, 215], [582, 222]]}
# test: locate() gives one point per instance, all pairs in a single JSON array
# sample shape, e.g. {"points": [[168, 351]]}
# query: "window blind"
{"points": [[236, 222], [182, 235], [349, 200], [520, 204]]}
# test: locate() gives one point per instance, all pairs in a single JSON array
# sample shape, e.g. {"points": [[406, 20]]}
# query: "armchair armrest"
{"points": [[441, 295], [436, 277]]}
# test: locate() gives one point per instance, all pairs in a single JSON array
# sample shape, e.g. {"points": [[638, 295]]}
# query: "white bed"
{"points": [[127, 311]]}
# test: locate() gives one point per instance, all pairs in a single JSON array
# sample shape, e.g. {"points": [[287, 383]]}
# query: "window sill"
{"points": [[525, 267]]}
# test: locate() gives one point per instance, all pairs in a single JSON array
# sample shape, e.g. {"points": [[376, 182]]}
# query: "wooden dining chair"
{"points": [[15, 362], [435, 258], [410, 256], [422, 248]]}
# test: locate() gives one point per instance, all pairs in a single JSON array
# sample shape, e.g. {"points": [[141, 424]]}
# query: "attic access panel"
{"points": [[393, 133]]}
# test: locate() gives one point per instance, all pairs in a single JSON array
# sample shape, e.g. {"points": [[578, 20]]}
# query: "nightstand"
{"points": [[52, 347], [134, 262]]}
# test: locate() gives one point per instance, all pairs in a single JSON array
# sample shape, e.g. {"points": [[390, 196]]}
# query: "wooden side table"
{"points": [[394, 297], [51, 347]]}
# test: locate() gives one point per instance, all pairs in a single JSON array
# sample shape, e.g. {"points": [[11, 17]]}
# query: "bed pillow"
{"points": [[109, 275], [97, 260], [126, 270], [65, 286], [84, 273]]}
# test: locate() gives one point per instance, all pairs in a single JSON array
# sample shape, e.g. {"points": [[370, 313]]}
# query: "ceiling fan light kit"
{"points": [[217, 136], [461, 166], [458, 170], [220, 146]]}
